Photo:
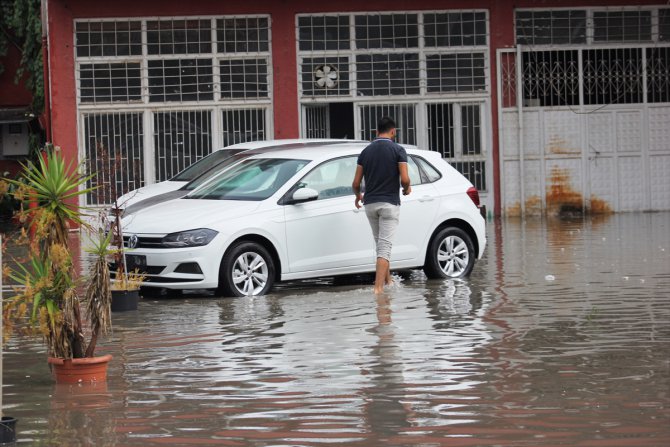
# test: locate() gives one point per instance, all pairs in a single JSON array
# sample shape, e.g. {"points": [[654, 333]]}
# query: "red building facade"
{"points": [[164, 83]]}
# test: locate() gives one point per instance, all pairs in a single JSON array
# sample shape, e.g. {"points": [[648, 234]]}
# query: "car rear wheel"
{"points": [[247, 270], [451, 254]]}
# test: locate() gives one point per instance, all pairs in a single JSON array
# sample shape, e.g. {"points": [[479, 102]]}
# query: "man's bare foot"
{"points": [[378, 291]]}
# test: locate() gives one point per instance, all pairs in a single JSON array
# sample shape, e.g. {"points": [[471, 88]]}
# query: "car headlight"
{"points": [[190, 238]]}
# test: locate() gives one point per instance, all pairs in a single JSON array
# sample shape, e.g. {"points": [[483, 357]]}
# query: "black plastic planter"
{"points": [[7, 430], [123, 300]]}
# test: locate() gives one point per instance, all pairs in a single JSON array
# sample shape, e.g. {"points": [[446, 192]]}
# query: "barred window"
{"points": [[622, 26], [550, 27], [658, 74], [325, 76], [405, 118], [613, 76], [180, 80], [244, 78], [113, 147], [242, 125], [119, 38], [387, 31], [318, 33], [455, 29], [110, 82], [664, 25], [474, 171], [388, 74], [243, 35], [179, 36], [441, 129], [464, 72], [550, 78], [180, 139]]}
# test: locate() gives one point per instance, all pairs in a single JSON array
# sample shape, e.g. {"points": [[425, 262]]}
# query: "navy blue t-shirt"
{"points": [[380, 171]]}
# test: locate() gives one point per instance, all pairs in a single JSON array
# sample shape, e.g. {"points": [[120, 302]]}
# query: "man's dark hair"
{"points": [[385, 124]]}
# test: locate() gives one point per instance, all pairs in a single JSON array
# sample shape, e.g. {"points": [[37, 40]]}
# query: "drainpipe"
{"points": [[519, 108], [45, 74]]}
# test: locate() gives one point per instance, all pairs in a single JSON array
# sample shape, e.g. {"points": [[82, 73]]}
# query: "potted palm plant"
{"points": [[49, 298]]}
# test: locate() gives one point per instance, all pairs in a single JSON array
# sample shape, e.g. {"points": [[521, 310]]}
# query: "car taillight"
{"points": [[474, 195]]}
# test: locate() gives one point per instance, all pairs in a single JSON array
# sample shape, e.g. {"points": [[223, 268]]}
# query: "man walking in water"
{"points": [[383, 165]]}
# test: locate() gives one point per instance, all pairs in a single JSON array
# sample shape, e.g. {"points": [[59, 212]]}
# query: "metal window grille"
{"points": [[110, 82], [386, 31], [180, 139], [455, 29], [138, 62], [622, 26], [471, 124], [317, 119], [464, 72], [475, 171], [180, 80], [113, 148], [550, 27], [243, 35], [613, 76], [329, 60], [325, 76], [441, 129], [550, 78], [664, 25], [244, 78], [319, 33], [118, 38], [179, 36], [403, 114], [388, 74], [242, 125], [658, 74]]}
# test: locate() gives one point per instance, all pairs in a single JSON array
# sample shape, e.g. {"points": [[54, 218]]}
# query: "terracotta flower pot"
{"points": [[86, 370], [123, 300]]}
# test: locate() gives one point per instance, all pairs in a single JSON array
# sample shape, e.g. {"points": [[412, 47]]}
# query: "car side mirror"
{"points": [[304, 195]]}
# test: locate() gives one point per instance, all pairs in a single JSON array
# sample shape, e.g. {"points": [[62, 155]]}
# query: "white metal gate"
{"points": [[584, 129]]}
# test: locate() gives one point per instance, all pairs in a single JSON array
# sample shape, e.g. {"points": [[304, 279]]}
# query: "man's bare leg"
{"points": [[389, 278], [381, 274]]}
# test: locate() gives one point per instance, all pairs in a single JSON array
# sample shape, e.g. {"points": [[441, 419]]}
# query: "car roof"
{"points": [[314, 151]]}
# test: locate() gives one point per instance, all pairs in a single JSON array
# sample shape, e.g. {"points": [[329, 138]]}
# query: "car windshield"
{"points": [[251, 179], [214, 171], [203, 165]]}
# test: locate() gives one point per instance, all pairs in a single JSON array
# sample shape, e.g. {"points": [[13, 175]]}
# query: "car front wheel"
{"points": [[247, 270], [451, 254]]}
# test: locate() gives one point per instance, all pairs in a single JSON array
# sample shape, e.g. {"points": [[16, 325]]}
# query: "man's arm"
{"points": [[404, 178], [356, 185]]}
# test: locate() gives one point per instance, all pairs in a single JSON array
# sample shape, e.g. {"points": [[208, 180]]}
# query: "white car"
{"points": [[289, 214]]}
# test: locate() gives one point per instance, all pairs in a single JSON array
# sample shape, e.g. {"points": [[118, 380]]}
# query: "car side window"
{"points": [[431, 174], [332, 179], [414, 172]]}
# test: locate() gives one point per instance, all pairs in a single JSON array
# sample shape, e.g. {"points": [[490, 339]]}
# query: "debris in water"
{"points": [[550, 277]]}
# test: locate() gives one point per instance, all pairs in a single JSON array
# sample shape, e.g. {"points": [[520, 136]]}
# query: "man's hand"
{"points": [[406, 191], [357, 202]]}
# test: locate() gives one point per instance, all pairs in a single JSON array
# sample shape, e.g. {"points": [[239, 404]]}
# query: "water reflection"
{"points": [[560, 337]]}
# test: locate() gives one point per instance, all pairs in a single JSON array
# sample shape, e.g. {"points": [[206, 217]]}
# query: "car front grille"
{"points": [[145, 242], [148, 270]]}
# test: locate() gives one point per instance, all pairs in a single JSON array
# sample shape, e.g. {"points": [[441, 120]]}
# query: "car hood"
{"points": [[146, 192], [185, 214]]}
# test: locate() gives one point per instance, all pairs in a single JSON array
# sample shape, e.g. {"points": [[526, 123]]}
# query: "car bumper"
{"points": [[163, 267]]}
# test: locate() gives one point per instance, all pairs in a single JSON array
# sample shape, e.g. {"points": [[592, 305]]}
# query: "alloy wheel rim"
{"points": [[250, 273], [453, 256]]}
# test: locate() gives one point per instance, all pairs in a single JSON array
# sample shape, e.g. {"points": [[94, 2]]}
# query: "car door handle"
{"points": [[426, 198]]}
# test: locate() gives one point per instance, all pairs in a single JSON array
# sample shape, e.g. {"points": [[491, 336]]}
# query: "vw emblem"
{"points": [[132, 241]]}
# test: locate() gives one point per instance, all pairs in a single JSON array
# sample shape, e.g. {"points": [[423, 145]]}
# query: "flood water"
{"points": [[561, 337]]}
